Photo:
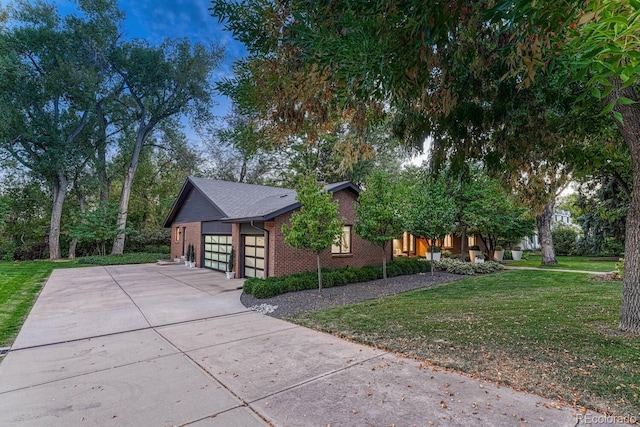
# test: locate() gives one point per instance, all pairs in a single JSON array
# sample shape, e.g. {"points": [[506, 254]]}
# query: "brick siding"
{"points": [[194, 231], [284, 259]]}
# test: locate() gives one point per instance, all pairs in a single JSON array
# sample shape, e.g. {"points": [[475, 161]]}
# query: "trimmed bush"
{"points": [[469, 268], [272, 286], [139, 258]]}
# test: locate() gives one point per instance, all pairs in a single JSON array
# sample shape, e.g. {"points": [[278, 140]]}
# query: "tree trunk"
{"points": [[630, 130], [118, 244], [384, 264], [319, 275], [463, 244], [101, 155], [59, 193], [74, 243], [543, 222], [431, 260]]}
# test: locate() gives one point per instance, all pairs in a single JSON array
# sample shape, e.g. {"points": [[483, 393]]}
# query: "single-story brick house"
{"points": [[216, 216]]}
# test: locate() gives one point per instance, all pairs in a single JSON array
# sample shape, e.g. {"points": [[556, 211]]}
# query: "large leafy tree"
{"points": [[409, 56], [598, 41], [161, 83], [48, 90], [317, 224], [378, 212]]}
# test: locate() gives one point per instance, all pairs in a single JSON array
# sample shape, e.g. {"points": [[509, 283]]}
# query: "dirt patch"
{"points": [[609, 277]]}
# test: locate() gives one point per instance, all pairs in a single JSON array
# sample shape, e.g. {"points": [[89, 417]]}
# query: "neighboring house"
{"points": [[216, 216], [560, 218]]}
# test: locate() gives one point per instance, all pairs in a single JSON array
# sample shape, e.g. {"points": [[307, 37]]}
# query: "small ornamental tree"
{"points": [[317, 225], [430, 211], [493, 215], [377, 216]]}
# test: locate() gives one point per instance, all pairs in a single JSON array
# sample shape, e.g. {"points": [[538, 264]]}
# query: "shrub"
{"points": [[249, 284], [564, 240], [139, 258], [138, 241], [271, 286], [620, 267], [455, 266], [159, 249], [447, 254], [612, 247], [468, 268]]}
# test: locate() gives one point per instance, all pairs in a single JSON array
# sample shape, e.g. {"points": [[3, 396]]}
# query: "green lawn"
{"points": [[569, 263], [551, 333], [20, 283]]}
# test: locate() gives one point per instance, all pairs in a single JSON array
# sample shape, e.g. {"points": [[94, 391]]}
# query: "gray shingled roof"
{"points": [[241, 201]]}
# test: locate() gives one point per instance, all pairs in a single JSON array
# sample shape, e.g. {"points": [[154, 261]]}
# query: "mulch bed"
{"points": [[293, 303]]}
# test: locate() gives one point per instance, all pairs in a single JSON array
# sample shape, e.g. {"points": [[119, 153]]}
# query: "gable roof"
{"points": [[245, 202]]}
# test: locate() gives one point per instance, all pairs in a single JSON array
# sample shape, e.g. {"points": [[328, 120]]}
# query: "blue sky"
{"points": [[155, 20]]}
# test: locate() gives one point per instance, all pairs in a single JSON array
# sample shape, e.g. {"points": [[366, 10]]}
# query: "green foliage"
{"points": [[620, 268], [231, 260], [564, 240], [272, 286], [492, 214], [137, 258], [149, 238], [97, 227], [429, 211], [605, 207], [377, 209], [316, 225], [24, 218], [469, 268]]}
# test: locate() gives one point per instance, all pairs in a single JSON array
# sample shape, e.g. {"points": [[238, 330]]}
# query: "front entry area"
{"points": [[217, 248], [253, 256]]}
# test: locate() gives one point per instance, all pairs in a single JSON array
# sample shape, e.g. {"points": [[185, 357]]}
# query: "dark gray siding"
{"points": [[216, 227], [248, 229], [197, 208]]}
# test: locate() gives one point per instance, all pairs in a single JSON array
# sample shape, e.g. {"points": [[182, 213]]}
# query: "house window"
{"points": [[448, 241], [343, 245], [177, 234], [471, 241]]}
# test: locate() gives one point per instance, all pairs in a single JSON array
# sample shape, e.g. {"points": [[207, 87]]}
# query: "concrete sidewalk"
{"points": [[161, 346]]}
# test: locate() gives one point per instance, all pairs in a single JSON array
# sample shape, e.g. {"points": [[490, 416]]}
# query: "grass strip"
{"points": [[579, 263], [551, 333]]}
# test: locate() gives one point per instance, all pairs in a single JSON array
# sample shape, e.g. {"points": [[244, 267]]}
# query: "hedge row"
{"points": [[272, 286], [138, 258]]}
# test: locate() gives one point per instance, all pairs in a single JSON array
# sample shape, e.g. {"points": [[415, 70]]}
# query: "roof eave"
{"points": [[266, 217]]}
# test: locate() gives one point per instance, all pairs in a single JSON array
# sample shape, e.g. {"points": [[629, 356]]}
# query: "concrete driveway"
{"points": [[166, 345]]}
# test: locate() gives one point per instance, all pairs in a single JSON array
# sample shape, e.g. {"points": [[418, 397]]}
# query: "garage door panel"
{"points": [[216, 251], [254, 254]]}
